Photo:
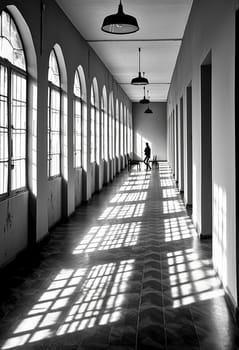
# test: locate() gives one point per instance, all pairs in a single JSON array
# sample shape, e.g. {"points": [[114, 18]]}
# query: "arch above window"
{"points": [[111, 104], [104, 99], [11, 47], [94, 93], [80, 84], [54, 117], [77, 86], [53, 69], [13, 107], [117, 108]]}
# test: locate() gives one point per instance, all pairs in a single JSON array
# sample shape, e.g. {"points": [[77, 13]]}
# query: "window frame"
{"points": [[106, 131], [12, 69], [52, 87], [80, 100], [93, 111], [102, 146]]}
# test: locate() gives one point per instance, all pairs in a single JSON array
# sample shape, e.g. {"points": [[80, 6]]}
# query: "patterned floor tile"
{"points": [[127, 271]]}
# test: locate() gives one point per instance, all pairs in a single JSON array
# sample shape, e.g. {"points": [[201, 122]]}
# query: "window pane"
{"points": [[97, 141], [92, 128], [3, 131], [92, 96], [18, 173], [18, 131], [77, 133], [117, 130], [14, 37], [3, 99], [53, 70], [5, 25], [54, 146], [117, 138], [13, 131], [113, 135], [84, 135], [125, 131], [110, 136], [10, 42], [106, 134], [55, 164], [77, 85], [121, 131], [102, 134], [4, 177]]}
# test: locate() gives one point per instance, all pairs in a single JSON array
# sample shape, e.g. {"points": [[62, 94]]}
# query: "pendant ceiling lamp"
{"points": [[120, 23], [144, 100], [148, 110], [139, 80]]}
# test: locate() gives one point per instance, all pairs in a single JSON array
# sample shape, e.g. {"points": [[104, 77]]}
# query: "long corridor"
{"points": [[126, 272]]}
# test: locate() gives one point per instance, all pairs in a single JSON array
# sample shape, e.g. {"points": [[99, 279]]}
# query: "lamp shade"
{"points": [[148, 111], [120, 23], [144, 101], [139, 80]]}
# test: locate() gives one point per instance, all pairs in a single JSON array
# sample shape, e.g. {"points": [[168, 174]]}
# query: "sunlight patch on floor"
{"points": [[191, 279], [123, 211], [178, 228], [107, 237], [75, 300]]}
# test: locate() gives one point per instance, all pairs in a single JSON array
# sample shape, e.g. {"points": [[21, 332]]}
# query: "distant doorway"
{"points": [[206, 148]]}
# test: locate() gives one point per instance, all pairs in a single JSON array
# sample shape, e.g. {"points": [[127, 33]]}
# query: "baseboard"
{"points": [[234, 310]]}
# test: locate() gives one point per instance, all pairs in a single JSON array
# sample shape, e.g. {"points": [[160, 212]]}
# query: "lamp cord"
{"points": [[139, 59]]}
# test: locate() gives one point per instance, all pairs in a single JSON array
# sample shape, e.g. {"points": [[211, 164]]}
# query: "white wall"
{"points": [[211, 27], [150, 128], [13, 226]]}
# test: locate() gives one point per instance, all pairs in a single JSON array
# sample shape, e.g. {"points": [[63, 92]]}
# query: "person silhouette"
{"points": [[147, 152]]}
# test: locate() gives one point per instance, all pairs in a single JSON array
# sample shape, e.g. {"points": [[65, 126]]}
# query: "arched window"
{"points": [[125, 130], [104, 117], [128, 132], [13, 107], [102, 112], [77, 127], [121, 130], [111, 126], [54, 117], [117, 128], [80, 120], [92, 124], [95, 123]]}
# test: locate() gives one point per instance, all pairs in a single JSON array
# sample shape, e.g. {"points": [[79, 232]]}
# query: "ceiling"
{"points": [[162, 24]]}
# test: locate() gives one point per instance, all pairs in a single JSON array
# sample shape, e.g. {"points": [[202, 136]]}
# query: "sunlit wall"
{"points": [[199, 39]]}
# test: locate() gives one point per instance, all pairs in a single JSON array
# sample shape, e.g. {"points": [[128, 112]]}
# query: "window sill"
{"points": [[13, 194]]}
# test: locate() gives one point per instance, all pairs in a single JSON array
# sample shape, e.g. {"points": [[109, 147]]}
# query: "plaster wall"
{"points": [[13, 226], [211, 28]]}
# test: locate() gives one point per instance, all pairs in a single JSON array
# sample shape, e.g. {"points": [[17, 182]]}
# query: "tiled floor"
{"points": [[126, 272]]}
